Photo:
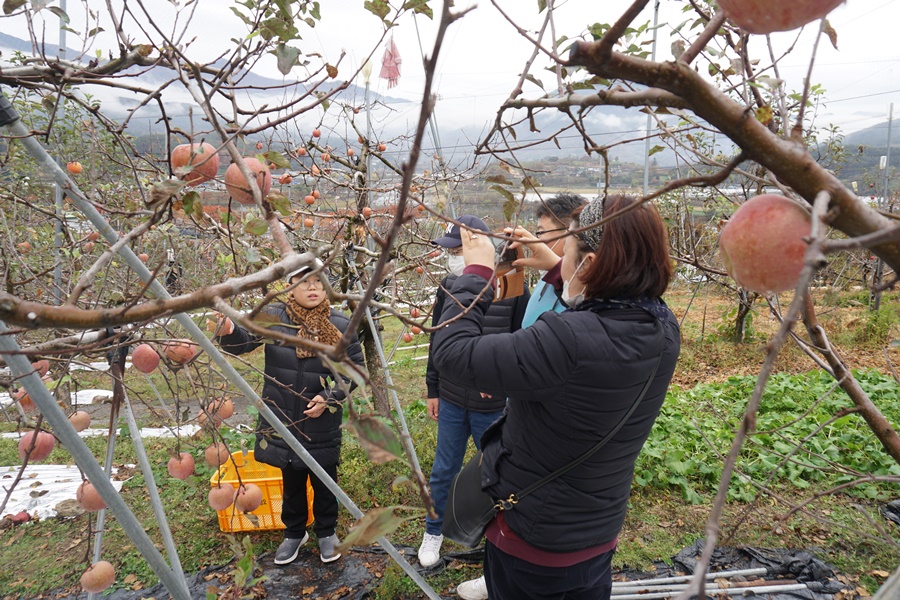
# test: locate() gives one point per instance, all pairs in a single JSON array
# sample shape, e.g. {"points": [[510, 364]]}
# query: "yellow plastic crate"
{"points": [[268, 478]]}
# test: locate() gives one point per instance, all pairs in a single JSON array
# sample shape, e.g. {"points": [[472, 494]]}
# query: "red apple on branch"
{"points": [[762, 244], [237, 185], [203, 155], [767, 16]]}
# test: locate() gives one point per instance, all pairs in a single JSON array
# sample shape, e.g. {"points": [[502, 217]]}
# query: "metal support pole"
{"points": [[21, 368], [37, 151], [407, 439]]}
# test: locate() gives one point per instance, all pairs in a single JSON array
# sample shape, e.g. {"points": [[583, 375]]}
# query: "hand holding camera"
{"points": [[541, 257]]}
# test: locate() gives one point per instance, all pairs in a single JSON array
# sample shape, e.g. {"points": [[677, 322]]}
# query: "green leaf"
{"points": [[655, 149], [95, 31], [377, 523], [10, 5], [503, 191], [379, 441], [59, 13], [277, 159], [379, 8], [419, 7], [187, 201], [279, 202], [530, 182], [542, 5], [534, 80], [256, 226], [286, 57], [498, 179], [509, 209]]}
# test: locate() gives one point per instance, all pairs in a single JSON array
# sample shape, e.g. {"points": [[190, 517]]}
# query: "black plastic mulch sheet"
{"points": [[355, 575]]}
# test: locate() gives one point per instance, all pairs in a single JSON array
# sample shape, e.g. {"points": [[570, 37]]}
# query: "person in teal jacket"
{"points": [[553, 217]]}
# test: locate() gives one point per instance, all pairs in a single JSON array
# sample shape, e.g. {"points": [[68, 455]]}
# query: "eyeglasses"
{"points": [[540, 232], [311, 285]]}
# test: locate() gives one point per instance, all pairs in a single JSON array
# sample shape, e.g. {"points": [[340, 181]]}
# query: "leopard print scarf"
{"points": [[312, 324]]}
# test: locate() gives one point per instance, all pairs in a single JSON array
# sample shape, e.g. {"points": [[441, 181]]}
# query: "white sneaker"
{"points": [[474, 589], [430, 550]]}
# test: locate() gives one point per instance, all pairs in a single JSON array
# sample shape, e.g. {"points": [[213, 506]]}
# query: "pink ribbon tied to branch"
{"points": [[390, 64]]}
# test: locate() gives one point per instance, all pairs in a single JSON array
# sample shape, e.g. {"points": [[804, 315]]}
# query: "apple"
{"points": [[24, 247], [217, 454], [181, 466], [24, 400], [43, 445], [218, 411], [326, 157], [80, 420], [407, 337], [414, 313], [416, 330], [237, 185], [767, 16], [221, 497], [88, 247], [98, 577], [74, 167], [316, 194], [94, 236], [420, 270], [259, 145], [143, 257], [310, 199], [301, 151], [203, 155], [248, 497], [88, 497], [350, 152], [382, 147], [308, 223], [367, 212], [285, 179], [762, 244], [316, 133], [144, 358], [180, 351], [315, 170]]}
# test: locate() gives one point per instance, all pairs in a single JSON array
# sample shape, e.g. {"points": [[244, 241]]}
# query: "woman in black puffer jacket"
{"points": [[570, 379], [294, 391]]}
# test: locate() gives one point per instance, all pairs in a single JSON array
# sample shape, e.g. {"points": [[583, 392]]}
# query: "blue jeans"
{"points": [[455, 425]]}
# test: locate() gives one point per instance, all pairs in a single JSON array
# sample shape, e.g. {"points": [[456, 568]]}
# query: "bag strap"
{"points": [[514, 498]]}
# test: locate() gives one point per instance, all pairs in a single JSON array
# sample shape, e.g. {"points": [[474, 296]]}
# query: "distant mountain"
{"points": [[875, 136]]}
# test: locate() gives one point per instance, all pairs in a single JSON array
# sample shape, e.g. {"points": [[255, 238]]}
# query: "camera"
{"points": [[510, 280]]}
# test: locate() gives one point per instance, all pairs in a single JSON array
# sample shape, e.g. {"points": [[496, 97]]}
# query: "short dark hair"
{"points": [[560, 207], [633, 254]]}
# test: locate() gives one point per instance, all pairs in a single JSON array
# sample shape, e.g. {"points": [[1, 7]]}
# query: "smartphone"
{"points": [[504, 253]]}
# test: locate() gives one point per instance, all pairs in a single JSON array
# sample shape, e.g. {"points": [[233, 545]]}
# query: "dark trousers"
{"points": [[511, 578], [294, 509]]}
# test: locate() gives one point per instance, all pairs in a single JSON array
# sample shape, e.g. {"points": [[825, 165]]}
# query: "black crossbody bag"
{"points": [[469, 509]]}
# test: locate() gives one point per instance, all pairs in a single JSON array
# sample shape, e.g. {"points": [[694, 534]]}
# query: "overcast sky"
{"points": [[483, 54]]}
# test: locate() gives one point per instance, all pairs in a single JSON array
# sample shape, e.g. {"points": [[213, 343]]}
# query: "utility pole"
{"points": [[649, 116], [882, 204]]}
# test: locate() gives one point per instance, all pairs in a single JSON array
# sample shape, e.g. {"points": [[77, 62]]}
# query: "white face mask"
{"points": [[456, 264], [569, 300]]}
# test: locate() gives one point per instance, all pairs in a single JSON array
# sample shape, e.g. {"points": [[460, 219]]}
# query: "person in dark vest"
{"points": [[570, 380], [301, 390], [461, 411]]}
